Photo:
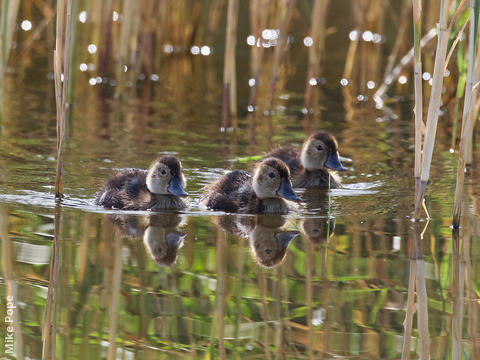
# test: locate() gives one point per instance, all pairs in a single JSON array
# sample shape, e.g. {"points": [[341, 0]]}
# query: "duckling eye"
{"points": [[163, 172], [272, 174], [319, 147]]}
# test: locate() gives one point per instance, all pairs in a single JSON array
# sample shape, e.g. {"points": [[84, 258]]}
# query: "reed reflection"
{"points": [[268, 241], [417, 283], [160, 234]]}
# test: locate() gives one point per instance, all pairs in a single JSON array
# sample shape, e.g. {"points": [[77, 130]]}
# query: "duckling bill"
{"points": [[161, 187], [269, 190], [315, 163]]}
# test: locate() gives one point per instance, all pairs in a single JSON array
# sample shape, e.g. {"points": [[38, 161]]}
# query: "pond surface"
{"points": [[338, 279]]}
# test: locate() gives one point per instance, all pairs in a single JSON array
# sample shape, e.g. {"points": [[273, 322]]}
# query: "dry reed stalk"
{"points": [[62, 52], [467, 121], [123, 44], [475, 106], [30, 41], [317, 50], [8, 18], [106, 37], [433, 107], [257, 49], [8, 22], [285, 18], [229, 64], [404, 61], [455, 43], [195, 17], [401, 34], [417, 68], [214, 19]]}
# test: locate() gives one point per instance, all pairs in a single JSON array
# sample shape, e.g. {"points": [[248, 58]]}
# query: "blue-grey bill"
{"points": [[176, 188], [285, 237], [287, 192], [334, 163], [175, 240]]}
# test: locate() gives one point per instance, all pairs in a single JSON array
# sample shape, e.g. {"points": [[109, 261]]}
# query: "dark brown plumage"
{"points": [[158, 188], [240, 192], [313, 164]]}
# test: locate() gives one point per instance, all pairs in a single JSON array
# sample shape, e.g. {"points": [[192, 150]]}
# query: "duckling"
{"points": [[159, 232], [312, 166], [163, 245], [317, 230], [268, 242], [161, 187], [264, 192]]}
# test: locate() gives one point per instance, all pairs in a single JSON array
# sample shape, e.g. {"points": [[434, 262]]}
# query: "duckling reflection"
{"points": [[316, 200], [317, 230], [160, 234], [268, 243]]}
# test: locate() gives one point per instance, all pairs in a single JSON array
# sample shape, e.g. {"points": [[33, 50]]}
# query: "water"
{"points": [[329, 281]]}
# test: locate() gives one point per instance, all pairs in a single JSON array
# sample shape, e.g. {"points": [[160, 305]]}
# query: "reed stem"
{"points": [[257, 49], [62, 54], [285, 18], [229, 78], [315, 51], [467, 120], [417, 68], [433, 106]]}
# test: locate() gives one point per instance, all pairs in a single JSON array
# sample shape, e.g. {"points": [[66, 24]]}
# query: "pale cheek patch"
{"points": [[306, 160], [156, 185]]}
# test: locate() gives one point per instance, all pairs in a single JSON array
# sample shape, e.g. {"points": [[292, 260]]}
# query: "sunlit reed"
{"points": [[317, 50], [229, 105], [62, 55], [433, 106], [287, 9], [417, 69], [259, 22], [467, 119], [9, 12]]}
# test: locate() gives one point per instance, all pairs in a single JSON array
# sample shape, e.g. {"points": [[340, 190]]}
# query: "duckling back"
{"points": [[126, 190], [230, 193], [290, 156]]}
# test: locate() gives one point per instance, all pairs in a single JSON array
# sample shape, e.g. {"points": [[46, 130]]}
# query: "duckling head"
{"points": [[162, 244], [268, 246], [271, 179], [320, 151], [165, 177]]}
